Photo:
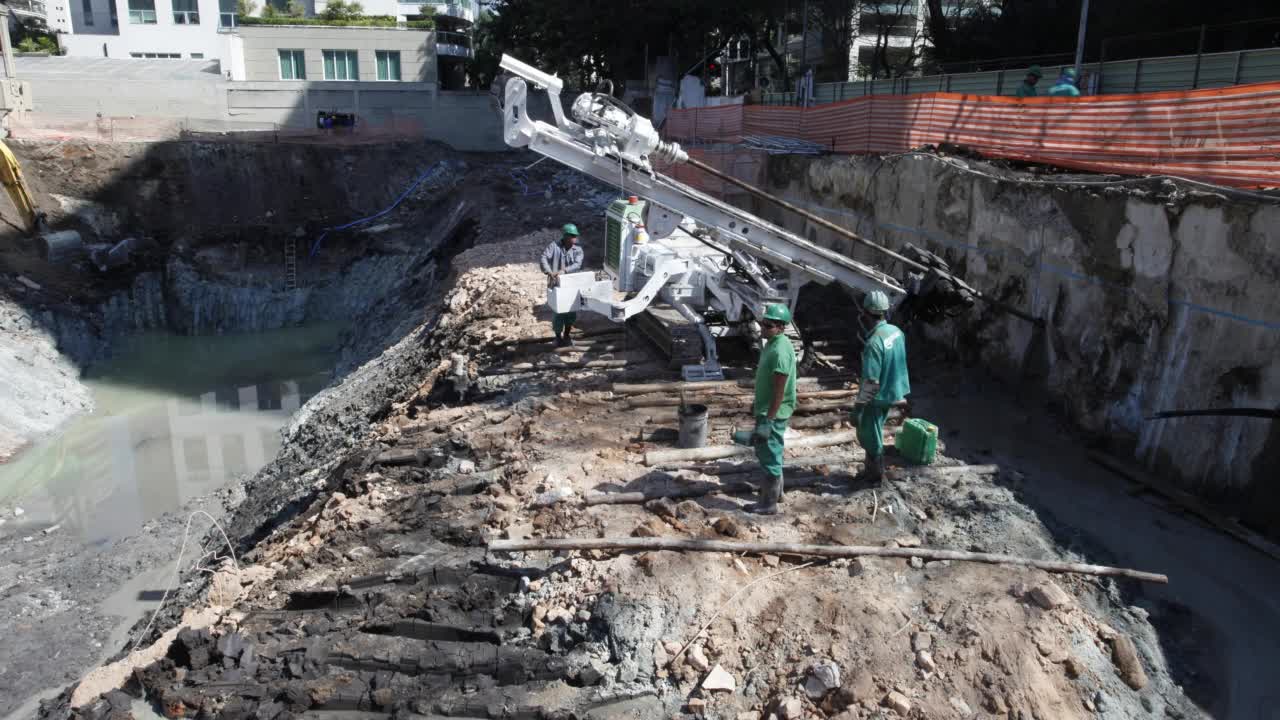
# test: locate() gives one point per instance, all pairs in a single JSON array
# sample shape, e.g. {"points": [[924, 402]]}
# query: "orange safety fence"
{"points": [[1229, 135]]}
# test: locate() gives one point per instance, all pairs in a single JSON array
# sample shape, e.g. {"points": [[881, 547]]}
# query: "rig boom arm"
{"points": [[617, 151]]}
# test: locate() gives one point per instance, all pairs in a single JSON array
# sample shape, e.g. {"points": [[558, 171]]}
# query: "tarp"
{"points": [[1229, 135]]}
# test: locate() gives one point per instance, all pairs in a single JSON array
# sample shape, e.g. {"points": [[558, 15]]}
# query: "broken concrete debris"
{"points": [[719, 679], [823, 677]]}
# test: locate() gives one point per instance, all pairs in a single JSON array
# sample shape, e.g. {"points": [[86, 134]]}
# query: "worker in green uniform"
{"points": [[1066, 85], [1028, 86], [562, 256], [884, 383], [775, 401]]}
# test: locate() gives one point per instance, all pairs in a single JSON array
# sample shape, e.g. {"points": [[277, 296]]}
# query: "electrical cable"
{"points": [[177, 569], [315, 247]]}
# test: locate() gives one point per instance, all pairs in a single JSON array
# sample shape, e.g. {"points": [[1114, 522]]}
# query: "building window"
{"points": [[291, 66], [88, 12], [197, 56], [142, 12], [227, 13], [340, 65], [388, 64], [153, 56], [115, 19], [185, 12]]}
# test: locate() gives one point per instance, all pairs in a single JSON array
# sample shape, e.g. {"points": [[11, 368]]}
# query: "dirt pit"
{"points": [[378, 596]]}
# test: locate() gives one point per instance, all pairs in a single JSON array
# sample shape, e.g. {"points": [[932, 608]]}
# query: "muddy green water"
{"points": [[176, 417]]}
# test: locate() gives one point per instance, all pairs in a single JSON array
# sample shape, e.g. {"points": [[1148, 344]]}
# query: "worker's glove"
{"points": [[760, 435], [553, 280], [867, 391], [855, 415]]}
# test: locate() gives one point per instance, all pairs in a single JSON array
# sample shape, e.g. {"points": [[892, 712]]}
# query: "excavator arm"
{"points": [[16, 186]]}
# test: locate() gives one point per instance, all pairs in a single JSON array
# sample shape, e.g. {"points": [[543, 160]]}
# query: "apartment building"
{"points": [[187, 29]]}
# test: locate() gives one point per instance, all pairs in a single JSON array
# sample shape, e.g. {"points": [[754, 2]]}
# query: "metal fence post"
{"points": [[1235, 73], [1102, 61], [1137, 74], [1195, 76], [1000, 82]]}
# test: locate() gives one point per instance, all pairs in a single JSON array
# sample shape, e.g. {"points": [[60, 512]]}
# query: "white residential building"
{"points": [[190, 29]]}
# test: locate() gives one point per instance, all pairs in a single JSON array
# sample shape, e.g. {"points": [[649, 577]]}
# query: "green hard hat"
{"points": [[778, 312], [1035, 70], [876, 301], [1069, 73], [570, 229]]}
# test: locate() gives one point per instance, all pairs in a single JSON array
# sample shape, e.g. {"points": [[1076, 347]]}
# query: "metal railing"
{"points": [[33, 7], [1182, 72]]}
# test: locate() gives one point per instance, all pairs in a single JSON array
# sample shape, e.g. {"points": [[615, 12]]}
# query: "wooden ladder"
{"points": [[291, 263]]}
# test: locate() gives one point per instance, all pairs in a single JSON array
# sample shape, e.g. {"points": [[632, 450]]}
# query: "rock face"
{"points": [[1162, 267], [1048, 595]]}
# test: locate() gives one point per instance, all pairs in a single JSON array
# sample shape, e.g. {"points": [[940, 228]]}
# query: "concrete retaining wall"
{"points": [[108, 99], [1151, 302]]}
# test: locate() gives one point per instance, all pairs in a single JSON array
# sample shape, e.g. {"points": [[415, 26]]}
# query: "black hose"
{"points": [[1225, 412]]}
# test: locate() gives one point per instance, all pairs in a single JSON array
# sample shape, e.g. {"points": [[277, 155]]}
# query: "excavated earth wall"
{"points": [[1156, 296]]}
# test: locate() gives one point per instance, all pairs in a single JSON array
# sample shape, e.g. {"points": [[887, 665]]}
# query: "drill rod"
{"points": [[757, 192]]}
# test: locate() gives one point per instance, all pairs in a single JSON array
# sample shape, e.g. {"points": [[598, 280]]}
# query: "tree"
{"points": [[246, 8], [893, 19], [342, 10], [484, 66], [428, 11], [294, 8]]}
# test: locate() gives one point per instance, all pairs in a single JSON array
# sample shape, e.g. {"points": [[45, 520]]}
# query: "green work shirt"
{"points": [[778, 358], [1064, 89], [1025, 90], [884, 358]]}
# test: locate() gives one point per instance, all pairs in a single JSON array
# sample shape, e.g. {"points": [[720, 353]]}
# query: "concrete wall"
{"points": [[125, 99], [1152, 302], [262, 43], [102, 39]]}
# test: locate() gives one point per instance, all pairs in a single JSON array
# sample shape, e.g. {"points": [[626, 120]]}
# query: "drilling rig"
{"points": [[689, 268]]}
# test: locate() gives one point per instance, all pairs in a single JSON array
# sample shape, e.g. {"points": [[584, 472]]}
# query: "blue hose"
{"points": [[315, 247]]}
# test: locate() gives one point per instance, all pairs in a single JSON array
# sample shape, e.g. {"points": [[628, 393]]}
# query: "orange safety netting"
{"points": [[1229, 135]]}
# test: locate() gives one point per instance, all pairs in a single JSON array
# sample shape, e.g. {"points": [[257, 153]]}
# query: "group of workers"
{"points": [[1066, 85], [883, 382]]}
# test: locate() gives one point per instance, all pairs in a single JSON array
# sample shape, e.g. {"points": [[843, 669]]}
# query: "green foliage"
{"points": [[362, 21], [484, 40], [294, 8], [421, 24], [38, 44], [342, 10], [427, 11], [269, 12], [245, 8]]}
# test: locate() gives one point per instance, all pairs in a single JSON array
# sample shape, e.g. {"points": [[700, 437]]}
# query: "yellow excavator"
{"points": [[16, 186]]}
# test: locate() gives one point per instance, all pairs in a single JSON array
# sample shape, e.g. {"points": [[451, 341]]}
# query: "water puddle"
{"points": [[176, 417]]}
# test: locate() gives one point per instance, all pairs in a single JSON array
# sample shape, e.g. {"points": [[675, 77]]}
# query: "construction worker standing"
{"points": [[775, 400], [1066, 85], [884, 382], [562, 256], [1028, 86]]}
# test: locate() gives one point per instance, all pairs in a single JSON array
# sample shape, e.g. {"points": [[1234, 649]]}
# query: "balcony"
{"points": [[464, 10], [454, 44], [28, 7]]}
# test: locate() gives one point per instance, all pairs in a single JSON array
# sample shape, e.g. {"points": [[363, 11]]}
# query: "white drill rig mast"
{"points": [[700, 255]]}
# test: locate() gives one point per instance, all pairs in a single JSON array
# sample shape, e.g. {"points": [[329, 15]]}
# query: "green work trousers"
{"points": [[562, 321], [769, 453], [871, 428]]}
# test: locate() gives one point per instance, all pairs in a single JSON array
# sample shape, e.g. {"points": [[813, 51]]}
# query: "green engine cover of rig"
{"points": [[620, 211]]}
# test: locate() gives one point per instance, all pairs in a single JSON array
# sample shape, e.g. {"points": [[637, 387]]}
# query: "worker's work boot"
{"points": [[770, 496], [872, 471]]}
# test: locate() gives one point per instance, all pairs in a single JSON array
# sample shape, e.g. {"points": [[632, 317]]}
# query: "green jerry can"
{"points": [[918, 441]]}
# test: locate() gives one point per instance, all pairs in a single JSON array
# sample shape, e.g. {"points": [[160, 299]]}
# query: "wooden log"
{"points": [[581, 365], [551, 339], [585, 348], [739, 486], [657, 457], [834, 551], [641, 388], [791, 465], [723, 397]]}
